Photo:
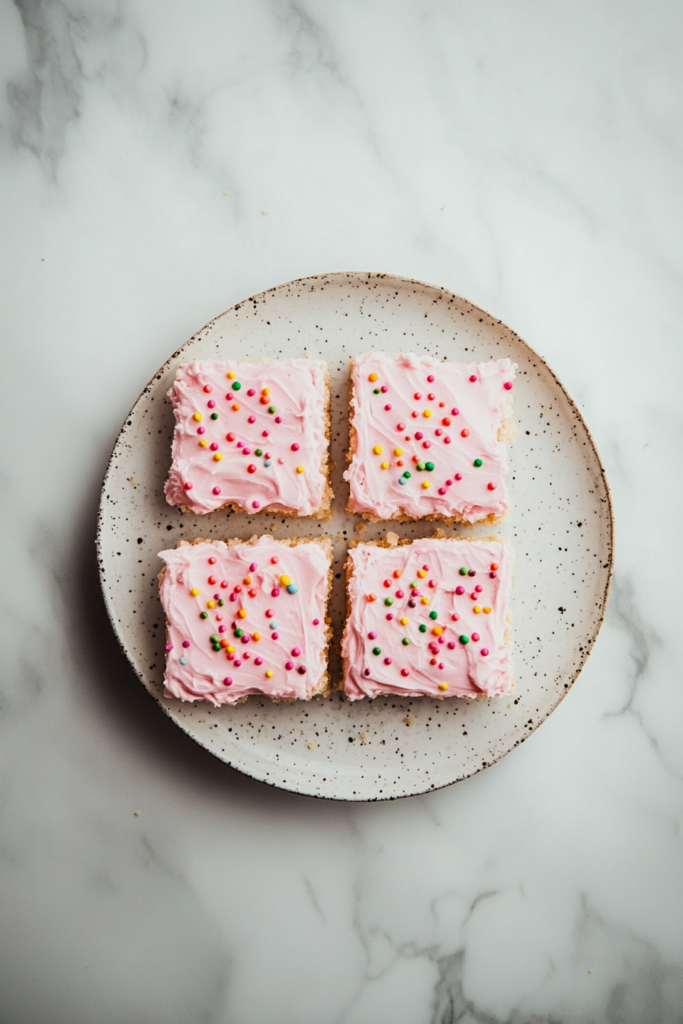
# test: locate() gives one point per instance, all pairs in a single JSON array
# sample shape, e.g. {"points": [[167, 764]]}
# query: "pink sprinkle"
{"points": [[473, 377], [433, 647], [430, 378], [169, 647], [221, 629], [405, 672], [415, 592], [201, 430], [186, 643], [419, 435], [446, 440], [253, 567], [449, 483], [295, 447], [508, 387], [316, 622], [207, 389], [492, 487], [390, 616], [366, 671], [441, 640], [275, 635], [233, 597], [387, 407], [441, 665], [400, 426], [216, 596], [438, 431], [478, 588], [264, 433], [230, 396], [475, 637], [485, 652], [237, 662], [251, 392], [458, 476], [426, 444], [455, 412], [460, 590], [455, 617], [493, 575], [240, 444], [211, 404], [258, 661], [214, 446], [246, 451], [387, 661], [188, 486], [372, 635], [245, 639], [251, 419], [256, 504], [442, 490], [275, 592], [295, 652], [451, 645], [280, 461], [231, 656], [228, 681], [399, 593], [216, 490], [384, 389], [426, 568], [289, 665], [278, 419]]}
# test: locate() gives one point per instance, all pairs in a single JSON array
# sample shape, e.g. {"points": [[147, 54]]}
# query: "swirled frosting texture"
{"points": [[435, 662], [234, 436], [411, 412], [277, 623]]}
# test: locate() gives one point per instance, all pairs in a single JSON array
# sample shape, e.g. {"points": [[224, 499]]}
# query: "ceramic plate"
{"points": [[560, 527]]}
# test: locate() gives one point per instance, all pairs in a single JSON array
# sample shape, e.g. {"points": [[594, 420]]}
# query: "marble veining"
{"points": [[159, 163]]}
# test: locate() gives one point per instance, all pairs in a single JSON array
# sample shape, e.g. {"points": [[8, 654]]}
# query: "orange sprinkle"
{"points": [[372, 597]]}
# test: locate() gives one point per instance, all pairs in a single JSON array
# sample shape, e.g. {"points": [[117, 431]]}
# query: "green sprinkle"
{"points": [[214, 638], [429, 466], [422, 627], [236, 385], [464, 639], [463, 572], [271, 408], [376, 391], [258, 452], [413, 584], [221, 602], [407, 475], [388, 600], [203, 615], [376, 650], [405, 641], [420, 465], [478, 463], [238, 632], [214, 415], [433, 615], [216, 647]]}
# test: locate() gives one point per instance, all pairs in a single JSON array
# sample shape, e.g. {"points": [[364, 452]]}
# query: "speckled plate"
{"points": [[561, 529]]}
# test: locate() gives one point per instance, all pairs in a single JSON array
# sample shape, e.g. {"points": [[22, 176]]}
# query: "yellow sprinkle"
{"points": [[230, 374], [230, 649], [403, 621], [265, 391], [398, 451], [425, 484], [210, 604], [197, 416], [217, 456], [476, 609], [194, 592], [299, 469], [427, 413], [438, 630], [269, 674], [242, 613], [256, 637], [236, 407], [422, 573], [377, 449], [487, 611], [443, 686], [425, 600], [203, 443], [372, 377], [384, 465], [285, 580], [247, 580]]}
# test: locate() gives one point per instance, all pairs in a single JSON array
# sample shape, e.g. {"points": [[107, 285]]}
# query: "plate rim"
{"points": [[367, 275]]}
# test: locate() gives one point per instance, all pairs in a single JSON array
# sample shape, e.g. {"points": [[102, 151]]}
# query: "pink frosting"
{"points": [[215, 460], [293, 649], [459, 397], [434, 565]]}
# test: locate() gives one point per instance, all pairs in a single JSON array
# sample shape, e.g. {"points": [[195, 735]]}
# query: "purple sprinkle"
{"points": [[387, 661], [216, 597], [451, 645], [289, 665], [233, 597], [245, 639], [301, 670], [415, 592], [186, 643], [228, 681], [493, 575], [366, 672], [237, 662]]}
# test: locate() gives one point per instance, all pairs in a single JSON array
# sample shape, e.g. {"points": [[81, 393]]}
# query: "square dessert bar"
{"points": [[245, 617], [251, 437], [428, 438], [428, 619]]}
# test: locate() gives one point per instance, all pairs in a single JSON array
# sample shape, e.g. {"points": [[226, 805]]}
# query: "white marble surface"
{"points": [[524, 155]]}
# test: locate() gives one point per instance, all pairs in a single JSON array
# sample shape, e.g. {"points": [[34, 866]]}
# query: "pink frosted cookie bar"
{"points": [[251, 436], [428, 439], [428, 619], [246, 617]]}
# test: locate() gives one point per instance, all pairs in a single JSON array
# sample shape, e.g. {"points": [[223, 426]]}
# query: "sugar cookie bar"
{"points": [[428, 618], [428, 439], [246, 617], [251, 437]]}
